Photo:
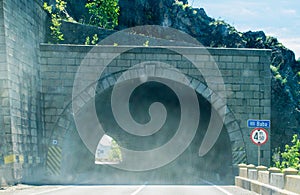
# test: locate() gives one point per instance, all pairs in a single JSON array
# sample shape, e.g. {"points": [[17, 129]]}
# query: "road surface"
{"points": [[127, 190]]}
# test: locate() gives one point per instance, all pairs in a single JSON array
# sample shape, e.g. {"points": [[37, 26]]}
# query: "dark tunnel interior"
{"points": [[216, 166]]}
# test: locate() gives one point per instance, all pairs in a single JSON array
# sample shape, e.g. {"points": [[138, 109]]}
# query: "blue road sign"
{"points": [[252, 123]]}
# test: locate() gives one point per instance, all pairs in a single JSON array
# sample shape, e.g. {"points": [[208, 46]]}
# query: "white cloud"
{"points": [[278, 31], [293, 44], [291, 12], [279, 19], [231, 10]]}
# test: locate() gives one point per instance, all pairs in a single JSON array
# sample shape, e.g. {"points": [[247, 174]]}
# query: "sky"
{"points": [[278, 18]]}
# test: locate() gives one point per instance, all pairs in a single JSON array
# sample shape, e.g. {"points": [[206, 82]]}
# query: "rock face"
{"points": [[141, 12], [215, 33], [77, 10]]}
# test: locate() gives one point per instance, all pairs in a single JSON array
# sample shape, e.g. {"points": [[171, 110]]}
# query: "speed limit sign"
{"points": [[259, 136]]}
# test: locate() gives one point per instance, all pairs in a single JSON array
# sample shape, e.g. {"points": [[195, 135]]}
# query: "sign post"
{"points": [[258, 155], [259, 136]]}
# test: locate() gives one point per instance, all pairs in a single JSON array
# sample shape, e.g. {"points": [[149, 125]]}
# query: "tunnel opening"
{"points": [[187, 169]]}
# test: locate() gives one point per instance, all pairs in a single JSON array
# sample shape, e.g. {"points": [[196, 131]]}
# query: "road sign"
{"points": [[252, 123], [259, 136]]}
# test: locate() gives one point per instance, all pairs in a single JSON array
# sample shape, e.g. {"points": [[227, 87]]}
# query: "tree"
{"points": [[291, 156], [104, 13], [57, 14], [115, 153]]}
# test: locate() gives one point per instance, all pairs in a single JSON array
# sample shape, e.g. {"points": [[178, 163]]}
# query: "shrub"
{"points": [[94, 41], [104, 13], [290, 157], [57, 14]]}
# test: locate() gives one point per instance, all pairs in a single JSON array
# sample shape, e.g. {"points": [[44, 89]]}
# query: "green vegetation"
{"points": [[277, 75], [274, 69], [284, 81], [94, 41], [272, 41], [87, 41], [115, 152], [181, 4], [290, 157], [56, 17], [104, 13], [57, 14], [146, 44]]}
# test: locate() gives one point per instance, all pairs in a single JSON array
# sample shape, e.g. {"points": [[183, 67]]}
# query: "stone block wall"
{"points": [[4, 100], [245, 73], [248, 84], [76, 33], [21, 31]]}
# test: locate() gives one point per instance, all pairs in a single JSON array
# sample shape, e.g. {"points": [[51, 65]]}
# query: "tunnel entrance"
{"points": [[188, 168]]}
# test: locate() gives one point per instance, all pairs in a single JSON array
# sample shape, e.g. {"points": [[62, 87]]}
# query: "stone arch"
{"points": [[65, 123]]}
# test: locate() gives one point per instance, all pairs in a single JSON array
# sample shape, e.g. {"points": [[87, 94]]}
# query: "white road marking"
{"points": [[218, 187], [51, 190], [139, 189]]}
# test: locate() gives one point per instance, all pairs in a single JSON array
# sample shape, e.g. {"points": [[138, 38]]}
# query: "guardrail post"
{"points": [[252, 172], [292, 180], [243, 171], [263, 174], [276, 177]]}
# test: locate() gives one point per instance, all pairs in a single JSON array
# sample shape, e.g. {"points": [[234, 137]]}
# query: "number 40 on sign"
{"points": [[259, 136]]}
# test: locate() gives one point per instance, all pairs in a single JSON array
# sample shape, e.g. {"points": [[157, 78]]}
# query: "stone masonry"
{"points": [[245, 73], [21, 31], [36, 82]]}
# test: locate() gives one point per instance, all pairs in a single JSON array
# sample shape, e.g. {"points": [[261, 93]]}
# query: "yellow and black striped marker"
{"points": [[54, 160]]}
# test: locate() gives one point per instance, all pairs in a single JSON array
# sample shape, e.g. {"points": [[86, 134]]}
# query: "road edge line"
{"points": [[51, 190], [219, 188], [138, 190]]}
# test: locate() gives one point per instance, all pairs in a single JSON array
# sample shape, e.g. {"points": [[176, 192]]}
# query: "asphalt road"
{"points": [[128, 190]]}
